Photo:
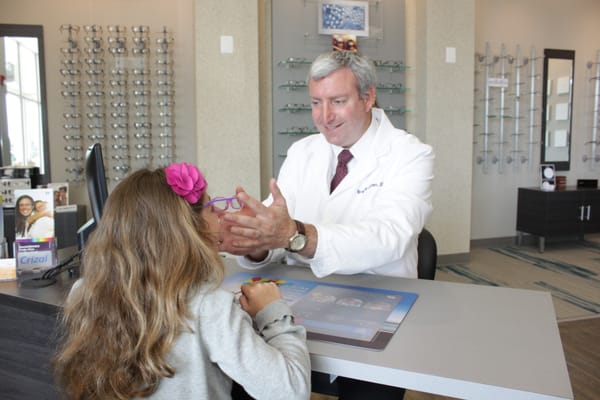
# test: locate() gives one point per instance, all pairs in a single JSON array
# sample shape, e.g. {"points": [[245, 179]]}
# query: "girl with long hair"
{"points": [[148, 319]]}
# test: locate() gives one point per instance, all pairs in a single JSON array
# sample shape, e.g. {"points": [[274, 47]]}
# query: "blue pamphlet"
{"points": [[353, 315]]}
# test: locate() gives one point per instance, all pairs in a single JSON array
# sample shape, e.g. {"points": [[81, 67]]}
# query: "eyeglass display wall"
{"points": [[592, 155], [296, 42], [508, 86], [117, 84]]}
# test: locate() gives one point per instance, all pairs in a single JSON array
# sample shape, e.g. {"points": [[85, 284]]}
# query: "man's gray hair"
{"points": [[362, 68]]}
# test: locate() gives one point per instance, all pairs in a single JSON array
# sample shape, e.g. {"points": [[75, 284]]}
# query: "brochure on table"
{"points": [[353, 315], [35, 245]]}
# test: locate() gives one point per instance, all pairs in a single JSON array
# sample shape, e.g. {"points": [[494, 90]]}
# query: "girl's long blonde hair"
{"points": [[148, 255]]}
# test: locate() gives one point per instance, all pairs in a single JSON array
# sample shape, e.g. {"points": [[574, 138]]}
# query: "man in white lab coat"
{"points": [[371, 221]]}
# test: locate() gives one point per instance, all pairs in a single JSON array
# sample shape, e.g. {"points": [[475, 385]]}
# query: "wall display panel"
{"points": [[592, 156], [117, 83], [507, 107], [296, 42]]}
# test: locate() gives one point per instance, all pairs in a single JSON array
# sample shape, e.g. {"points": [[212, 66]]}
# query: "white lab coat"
{"points": [[370, 223]]}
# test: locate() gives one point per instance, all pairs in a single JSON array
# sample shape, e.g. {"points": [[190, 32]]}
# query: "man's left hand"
{"points": [[257, 228]]}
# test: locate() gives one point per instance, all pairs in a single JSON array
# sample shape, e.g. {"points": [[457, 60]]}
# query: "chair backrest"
{"points": [[427, 255]]}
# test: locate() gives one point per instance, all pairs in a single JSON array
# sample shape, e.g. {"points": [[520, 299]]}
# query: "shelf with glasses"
{"points": [[503, 116], [304, 130], [508, 88], [294, 62], [292, 108], [392, 88], [395, 110], [593, 82], [391, 65], [293, 85]]}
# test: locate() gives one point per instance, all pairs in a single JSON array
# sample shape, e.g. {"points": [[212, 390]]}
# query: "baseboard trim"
{"points": [[498, 241], [456, 258], [491, 242]]}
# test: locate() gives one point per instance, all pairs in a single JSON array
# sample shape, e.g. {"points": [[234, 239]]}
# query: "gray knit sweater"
{"points": [[271, 364]]}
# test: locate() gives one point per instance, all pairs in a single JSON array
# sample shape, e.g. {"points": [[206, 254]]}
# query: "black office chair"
{"points": [[427, 255]]}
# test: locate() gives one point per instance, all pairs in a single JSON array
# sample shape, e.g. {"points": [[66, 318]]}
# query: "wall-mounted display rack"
{"points": [[593, 82], [297, 42], [119, 158], [71, 92], [119, 91], [505, 83], [165, 96], [391, 66], [141, 83]]}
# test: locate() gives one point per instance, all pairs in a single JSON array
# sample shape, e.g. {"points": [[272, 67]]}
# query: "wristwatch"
{"points": [[298, 239]]}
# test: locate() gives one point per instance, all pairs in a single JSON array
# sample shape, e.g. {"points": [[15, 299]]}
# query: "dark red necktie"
{"points": [[341, 170]]}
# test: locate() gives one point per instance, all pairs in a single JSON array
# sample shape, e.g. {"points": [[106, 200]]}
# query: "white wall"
{"points": [[228, 95], [442, 109]]}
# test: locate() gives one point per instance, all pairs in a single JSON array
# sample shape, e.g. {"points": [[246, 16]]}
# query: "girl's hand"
{"points": [[256, 296]]}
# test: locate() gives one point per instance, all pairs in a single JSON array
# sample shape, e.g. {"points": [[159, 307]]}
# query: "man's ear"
{"points": [[370, 98]]}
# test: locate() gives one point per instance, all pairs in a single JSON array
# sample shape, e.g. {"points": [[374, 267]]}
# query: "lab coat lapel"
{"points": [[319, 163], [362, 168], [368, 162]]}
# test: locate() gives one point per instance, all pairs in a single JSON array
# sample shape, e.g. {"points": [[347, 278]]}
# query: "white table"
{"points": [[458, 340]]}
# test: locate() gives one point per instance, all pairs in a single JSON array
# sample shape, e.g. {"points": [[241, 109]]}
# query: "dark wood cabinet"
{"points": [[568, 212]]}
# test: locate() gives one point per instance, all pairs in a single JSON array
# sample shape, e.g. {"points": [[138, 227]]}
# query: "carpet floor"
{"points": [[570, 271]]}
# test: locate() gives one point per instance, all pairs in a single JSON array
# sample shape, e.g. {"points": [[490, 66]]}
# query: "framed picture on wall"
{"points": [[343, 17]]}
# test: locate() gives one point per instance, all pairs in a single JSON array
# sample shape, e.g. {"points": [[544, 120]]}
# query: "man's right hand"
{"points": [[256, 228]]}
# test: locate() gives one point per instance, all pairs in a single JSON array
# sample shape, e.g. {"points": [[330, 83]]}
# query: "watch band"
{"points": [[298, 241], [300, 227]]}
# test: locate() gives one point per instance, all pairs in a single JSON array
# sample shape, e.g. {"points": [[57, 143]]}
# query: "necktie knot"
{"points": [[344, 157], [342, 168]]}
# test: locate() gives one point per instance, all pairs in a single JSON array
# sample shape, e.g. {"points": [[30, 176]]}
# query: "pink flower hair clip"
{"points": [[186, 180]]}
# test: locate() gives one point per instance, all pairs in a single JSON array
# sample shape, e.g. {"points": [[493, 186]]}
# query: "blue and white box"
{"points": [[35, 255]]}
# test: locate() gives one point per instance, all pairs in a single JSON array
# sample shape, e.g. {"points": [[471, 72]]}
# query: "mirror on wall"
{"points": [[23, 112], [557, 108]]}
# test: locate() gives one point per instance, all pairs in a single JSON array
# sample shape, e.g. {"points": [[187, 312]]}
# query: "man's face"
{"points": [[337, 110]]}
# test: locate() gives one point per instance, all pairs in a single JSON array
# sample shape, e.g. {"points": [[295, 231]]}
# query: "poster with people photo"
{"points": [[61, 193], [34, 213]]}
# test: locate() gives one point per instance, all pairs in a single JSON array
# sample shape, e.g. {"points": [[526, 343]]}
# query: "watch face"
{"points": [[298, 243]]}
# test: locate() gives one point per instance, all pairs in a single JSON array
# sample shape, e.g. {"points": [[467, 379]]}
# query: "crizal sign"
{"points": [[35, 256]]}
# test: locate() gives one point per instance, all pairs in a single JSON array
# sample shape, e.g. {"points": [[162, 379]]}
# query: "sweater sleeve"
{"points": [[275, 255], [272, 363]]}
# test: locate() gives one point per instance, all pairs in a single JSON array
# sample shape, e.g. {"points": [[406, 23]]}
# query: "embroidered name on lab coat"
{"points": [[372, 185]]}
